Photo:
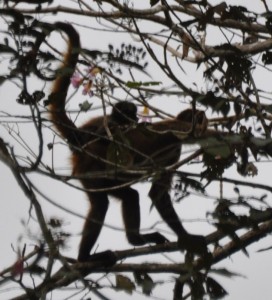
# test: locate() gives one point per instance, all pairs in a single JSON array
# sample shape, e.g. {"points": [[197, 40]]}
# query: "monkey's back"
{"points": [[132, 152]]}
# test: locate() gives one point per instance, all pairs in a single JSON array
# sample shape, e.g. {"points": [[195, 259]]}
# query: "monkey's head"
{"points": [[124, 113]]}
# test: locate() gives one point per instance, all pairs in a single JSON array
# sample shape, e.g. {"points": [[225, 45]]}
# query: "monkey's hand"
{"points": [[195, 244]]}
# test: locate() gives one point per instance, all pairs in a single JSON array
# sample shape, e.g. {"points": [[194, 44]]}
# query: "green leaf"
{"points": [[137, 84], [125, 284], [257, 215], [85, 106], [217, 104], [145, 281], [184, 182], [260, 142], [215, 147]]}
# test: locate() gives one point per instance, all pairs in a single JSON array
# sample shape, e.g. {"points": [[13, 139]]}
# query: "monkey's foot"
{"points": [[155, 237], [137, 239], [195, 244], [108, 258]]}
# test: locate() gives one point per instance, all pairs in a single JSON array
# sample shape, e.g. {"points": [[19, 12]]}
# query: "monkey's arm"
{"points": [[214, 142]]}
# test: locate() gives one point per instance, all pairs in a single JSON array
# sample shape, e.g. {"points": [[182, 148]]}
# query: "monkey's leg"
{"points": [[93, 224], [162, 201], [132, 219]]}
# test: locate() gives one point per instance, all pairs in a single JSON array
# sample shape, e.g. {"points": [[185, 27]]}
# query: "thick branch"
{"points": [[63, 278]]}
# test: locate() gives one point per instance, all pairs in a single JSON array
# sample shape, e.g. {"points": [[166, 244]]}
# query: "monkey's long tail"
{"points": [[57, 98]]}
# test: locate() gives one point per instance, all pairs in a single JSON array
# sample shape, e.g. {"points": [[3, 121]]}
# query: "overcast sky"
{"points": [[14, 207]]}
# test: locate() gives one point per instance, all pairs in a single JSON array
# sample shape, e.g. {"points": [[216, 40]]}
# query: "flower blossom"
{"points": [[76, 80], [87, 88], [87, 82], [145, 117]]}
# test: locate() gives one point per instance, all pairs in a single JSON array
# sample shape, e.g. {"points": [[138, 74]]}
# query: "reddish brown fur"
{"points": [[145, 148], [60, 88]]}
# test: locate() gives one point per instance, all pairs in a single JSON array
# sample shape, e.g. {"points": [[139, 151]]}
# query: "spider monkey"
{"points": [[147, 148]]}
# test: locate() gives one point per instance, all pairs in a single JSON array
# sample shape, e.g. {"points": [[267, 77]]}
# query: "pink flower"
{"points": [[18, 267], [92, 71], [87, 88], [76, 80]]}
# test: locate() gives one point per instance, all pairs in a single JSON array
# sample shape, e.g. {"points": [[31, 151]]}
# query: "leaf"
{"points": [[154, 2], [38, 96], [220, 8], [217, 104], [137, 84], [2, 79], [7, 49], [265, 249], [125, 284], [267, 58], [85, 106], [92, 53], [236, 190], [222, 106], [225, 272], [214, 289], [257, 215], [215, 147], [183, 182], [260, 142], [145, 281], [147, 285], [197, 288]]}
